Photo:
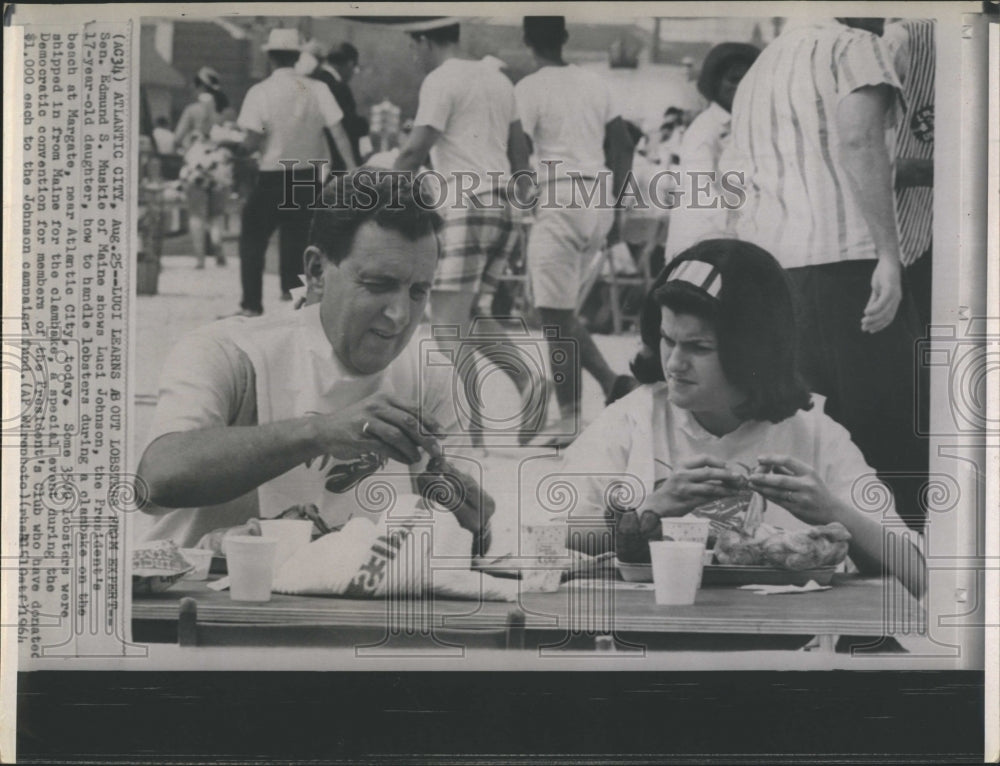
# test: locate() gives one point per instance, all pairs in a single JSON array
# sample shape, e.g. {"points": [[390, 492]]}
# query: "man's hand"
{"points": [[700, 480], [380, 423], [887, 292]]}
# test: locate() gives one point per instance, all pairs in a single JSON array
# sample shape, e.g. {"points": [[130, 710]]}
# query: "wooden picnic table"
{"points": [[581, 610]]}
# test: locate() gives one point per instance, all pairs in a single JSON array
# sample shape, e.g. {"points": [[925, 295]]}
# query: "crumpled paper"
{"points": [[424, 554], [777, 590]]}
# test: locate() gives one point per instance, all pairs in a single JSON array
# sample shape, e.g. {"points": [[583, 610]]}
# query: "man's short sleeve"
{"points": [[527, 108], [328, 106], [864, 60], [252, 114], [206, 381], [434, 107]]}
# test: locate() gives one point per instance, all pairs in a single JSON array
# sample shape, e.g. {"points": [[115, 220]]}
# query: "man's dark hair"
{"points": [[345, 53], [545, 33], [439, 36], [753, 318], [718, 60], [282, 59], [162, 122], [368, 194]]}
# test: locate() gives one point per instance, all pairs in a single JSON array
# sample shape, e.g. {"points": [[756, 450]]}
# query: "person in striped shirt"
{"points": [[813, 129], [912, 44]]}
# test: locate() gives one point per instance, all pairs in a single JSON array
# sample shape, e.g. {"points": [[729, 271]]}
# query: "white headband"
{"points": [[702, 275]]}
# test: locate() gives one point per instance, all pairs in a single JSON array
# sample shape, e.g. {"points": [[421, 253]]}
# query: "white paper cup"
{"points": [[686, 529], [289, 534], [200, 559], [676, 570], [250, 561], [545, 549]]}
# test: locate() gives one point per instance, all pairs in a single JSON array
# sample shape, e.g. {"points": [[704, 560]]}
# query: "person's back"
{"points": [[472, 105], [287, 110], [565, 110], [785, 137]]}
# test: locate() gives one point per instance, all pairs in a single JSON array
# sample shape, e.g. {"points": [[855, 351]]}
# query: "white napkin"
{"points": [[415, 558], [775, 590]]}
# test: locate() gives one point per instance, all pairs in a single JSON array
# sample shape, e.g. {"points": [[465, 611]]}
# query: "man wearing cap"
{"points": [[336, 68], [284, 117], [467, 123], [813, 125]]}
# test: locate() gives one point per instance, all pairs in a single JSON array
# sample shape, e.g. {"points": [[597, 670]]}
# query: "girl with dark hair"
{"points": [[723, 404], [207, 171]]}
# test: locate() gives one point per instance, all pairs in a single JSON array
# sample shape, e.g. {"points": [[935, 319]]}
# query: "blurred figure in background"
{"points": [[701, 214], [163, 136], [336, 68], [567, 112], [284, 117], [467, 125], [207, 170], [912, 43], [668, 150]]}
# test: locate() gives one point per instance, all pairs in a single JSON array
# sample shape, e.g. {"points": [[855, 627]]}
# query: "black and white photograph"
{"points": [[651, 341]]}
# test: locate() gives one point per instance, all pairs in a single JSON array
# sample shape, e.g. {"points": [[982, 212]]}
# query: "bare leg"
{"points": [[454, 308], [196, 228], [590, 359], [215, 237]]}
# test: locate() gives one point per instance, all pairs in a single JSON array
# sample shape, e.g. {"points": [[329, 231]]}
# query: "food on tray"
{"points": [[157, 565], [632, 536], [812, 548], [444, 487]]}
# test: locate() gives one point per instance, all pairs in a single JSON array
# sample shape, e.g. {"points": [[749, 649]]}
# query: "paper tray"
{"points": [[733, 574]]}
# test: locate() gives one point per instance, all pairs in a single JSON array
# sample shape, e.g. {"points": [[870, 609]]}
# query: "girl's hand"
{"points": [[699, 480], [796, 487]]}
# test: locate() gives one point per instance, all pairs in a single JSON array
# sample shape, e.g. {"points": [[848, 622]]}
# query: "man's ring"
{"points": [[787, 496], [365, 427]]}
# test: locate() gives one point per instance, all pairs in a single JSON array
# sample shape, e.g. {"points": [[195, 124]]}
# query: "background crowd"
{"points": [[829, 124]]}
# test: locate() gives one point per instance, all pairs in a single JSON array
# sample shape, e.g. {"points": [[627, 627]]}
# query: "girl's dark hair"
{"points": [[387, 197], [754, 322]]}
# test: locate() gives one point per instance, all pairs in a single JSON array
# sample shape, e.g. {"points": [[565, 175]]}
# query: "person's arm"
{"points": [[620, 151], [217, 464], [860, 119], [414, 154], [799, 489], [343, 144], [184, 125], [518, 153], [252, 141]]}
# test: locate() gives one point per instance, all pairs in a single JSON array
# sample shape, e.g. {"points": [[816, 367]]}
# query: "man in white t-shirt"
{"points": [[284, 117], [256, 415], [467, 124], [569, 115]]}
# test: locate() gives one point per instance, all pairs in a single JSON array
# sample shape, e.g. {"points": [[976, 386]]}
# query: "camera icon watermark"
{"points": [[961, 365], [500, 377]]}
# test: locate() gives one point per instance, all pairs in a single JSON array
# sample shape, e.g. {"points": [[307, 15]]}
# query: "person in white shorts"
{"points": [[567, 113]]}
